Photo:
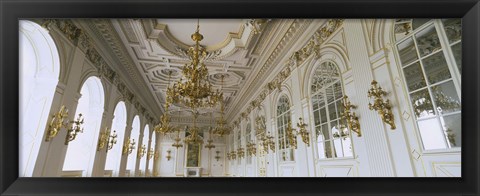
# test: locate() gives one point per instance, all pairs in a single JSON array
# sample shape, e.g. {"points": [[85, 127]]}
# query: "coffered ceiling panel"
{"points": [[236, 48]]}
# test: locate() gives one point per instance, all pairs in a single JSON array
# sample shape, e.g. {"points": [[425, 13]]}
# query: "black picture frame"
{"points": [[13, 10]]}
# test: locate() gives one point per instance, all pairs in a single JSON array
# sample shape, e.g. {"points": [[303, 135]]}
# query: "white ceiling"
{"points": [[240, 48], [214, 31]]}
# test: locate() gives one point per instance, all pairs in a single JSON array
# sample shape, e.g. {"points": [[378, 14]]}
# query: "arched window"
{"points": [[132, 158], [430, 57], [119, 123], [39, 74], [248, 138], [283, 117], [81, 151], [143, 162], [332, 136]]}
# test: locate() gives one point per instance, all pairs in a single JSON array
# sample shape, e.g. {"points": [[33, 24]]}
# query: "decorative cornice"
{"points": [[82, 40], [311, 48]]}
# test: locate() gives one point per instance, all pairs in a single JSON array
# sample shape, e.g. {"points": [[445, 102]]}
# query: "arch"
{"points": [[328, 54], [81, 151], [134, 137], [119, 123], [283, 117], [326, 92], [39, 75], [276, 97]]}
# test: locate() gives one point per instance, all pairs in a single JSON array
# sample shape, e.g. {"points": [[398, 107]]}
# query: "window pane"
{"points": [[323, 115], [315, 102], [445, 97], [316, 117], [338, 147], [337, 87], [457, 54], [328, 149], [427, 41], [453, 29], [422, 104], [332, 112], [414, 77], [416, 23], [321, 150], [326, 132], [436, 68], [329, 94], [452, 125], [407, 51], [431, 133]]}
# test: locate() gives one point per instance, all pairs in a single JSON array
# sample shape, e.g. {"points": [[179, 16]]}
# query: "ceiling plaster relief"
{"points": [[83, 41]]}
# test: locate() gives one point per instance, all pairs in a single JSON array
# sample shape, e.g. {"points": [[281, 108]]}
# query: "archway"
{"points": [[39, 74]]}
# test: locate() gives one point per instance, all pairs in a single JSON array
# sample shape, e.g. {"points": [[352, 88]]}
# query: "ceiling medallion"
{"points": [[193, 90]]}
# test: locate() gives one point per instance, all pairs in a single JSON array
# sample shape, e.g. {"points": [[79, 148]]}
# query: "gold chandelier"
{"points": [[193, 91], [222, 127]]}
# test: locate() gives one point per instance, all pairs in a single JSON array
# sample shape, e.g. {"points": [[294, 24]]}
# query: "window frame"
{"points": [[455, 78]]}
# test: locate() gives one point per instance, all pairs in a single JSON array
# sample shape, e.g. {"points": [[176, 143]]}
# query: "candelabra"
{"points": [[291, 136], [128, 146], [57, 122], [103, 139], [240, 152], [268, 143], [251, 150], [141, 151], [303, 132], [112, 139], [150, 154], [350, 117], [72, 132], [384, 108]]}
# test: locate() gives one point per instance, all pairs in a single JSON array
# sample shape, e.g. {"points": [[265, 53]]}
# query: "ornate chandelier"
{"points": [[222, 127], [193, 91]]}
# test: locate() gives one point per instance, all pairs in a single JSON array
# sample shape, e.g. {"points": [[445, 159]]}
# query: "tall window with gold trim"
{"points": [[332, 136], [283, 117], [429, 52]]}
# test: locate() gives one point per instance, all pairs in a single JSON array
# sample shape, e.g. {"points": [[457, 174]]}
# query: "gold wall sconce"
{"points": [[128, 146], [57, 122], [268, 143], [240, 152], [141, 151], [150, 154], [103, 139], [73, 131], [350, 117], [217, 157], [231, 155], [384, 108], [169, 156], [251, 150], [303, 131], [112, 139], [291, 136]]}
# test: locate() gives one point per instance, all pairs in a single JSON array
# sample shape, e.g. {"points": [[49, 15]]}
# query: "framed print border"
{"points": [[13, 10]]}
